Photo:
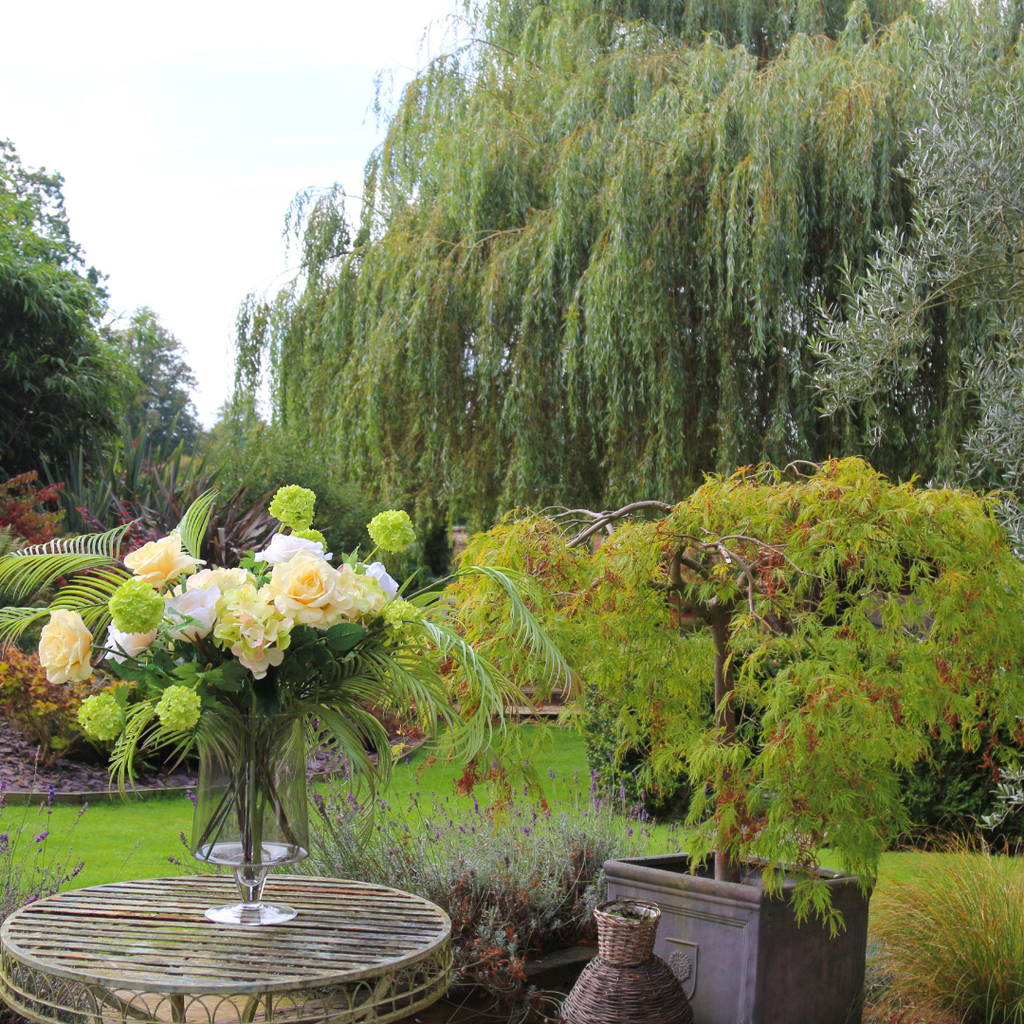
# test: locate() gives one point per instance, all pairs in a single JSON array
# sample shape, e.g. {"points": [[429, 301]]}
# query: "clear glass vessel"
{"points": [[251, 811]]}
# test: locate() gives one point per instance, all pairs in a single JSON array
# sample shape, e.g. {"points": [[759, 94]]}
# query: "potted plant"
{"points": [[787, 640], [254, 665]]}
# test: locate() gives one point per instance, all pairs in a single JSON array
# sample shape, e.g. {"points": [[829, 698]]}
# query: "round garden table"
{"points": [[143, 952]]}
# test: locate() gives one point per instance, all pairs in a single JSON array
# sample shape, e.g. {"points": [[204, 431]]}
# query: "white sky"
{"points": [[184, 130]]}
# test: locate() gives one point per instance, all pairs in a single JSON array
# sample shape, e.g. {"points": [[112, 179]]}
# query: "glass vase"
{"points": [[251, 811]]}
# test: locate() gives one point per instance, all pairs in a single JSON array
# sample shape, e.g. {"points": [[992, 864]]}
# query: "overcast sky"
{"points": [[184, 130]]}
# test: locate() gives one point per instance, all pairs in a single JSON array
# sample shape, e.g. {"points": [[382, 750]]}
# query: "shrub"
{"points": [[20, 503], [47, 711], [953, 935], [31, 868], [518, 880]]}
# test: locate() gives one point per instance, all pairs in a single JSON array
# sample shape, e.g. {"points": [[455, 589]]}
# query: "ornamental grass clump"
{"points": [[518, 879], [952, 934]]}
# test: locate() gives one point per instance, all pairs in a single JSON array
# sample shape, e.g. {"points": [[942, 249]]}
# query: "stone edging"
{"points": [[18, 797]]}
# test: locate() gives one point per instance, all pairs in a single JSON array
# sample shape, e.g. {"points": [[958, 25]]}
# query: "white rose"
{"points": [[200, 605], [285, 545], [129, 645], [380, 574]]}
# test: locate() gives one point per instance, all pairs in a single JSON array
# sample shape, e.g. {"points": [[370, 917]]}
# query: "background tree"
{"points": [[591, 255], [162, 408], [935, 326], [62, 385]]}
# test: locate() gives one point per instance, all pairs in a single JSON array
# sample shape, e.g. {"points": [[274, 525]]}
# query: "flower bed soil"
{"points": [[72, 779]]}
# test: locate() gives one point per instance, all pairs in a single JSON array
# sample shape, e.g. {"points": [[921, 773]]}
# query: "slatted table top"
{"points": [[153, 934]]}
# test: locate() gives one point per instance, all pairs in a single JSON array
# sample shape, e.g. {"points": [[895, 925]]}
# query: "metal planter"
{"points": [[740, 955]]}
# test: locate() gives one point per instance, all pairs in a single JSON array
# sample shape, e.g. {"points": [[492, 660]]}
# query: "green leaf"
{"points": [[344, 636], [195, 521]]}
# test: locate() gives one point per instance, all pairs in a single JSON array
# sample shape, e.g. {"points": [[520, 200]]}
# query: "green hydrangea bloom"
{"points": [[136, 607], [178, 708], [293, 506], [100, 716], [402, 611], [313, 535], [392, 530]]}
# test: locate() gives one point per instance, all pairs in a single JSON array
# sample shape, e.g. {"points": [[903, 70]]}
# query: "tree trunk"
{"points": [[726, 869]]}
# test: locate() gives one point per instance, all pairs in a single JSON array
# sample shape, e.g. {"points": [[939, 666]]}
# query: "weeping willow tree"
{"points": [[591, 252]]}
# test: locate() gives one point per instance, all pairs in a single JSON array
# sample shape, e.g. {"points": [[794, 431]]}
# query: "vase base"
{"points": [[251, 913]]}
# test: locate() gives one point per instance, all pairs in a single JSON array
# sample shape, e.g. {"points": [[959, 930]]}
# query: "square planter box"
{"points": [[740, 955]]}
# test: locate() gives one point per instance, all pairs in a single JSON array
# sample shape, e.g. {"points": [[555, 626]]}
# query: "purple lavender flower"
{"points": [[191, 796], [39, 838]]}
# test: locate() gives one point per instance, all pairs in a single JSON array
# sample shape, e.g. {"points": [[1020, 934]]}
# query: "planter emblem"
{"points": [[683, 962]]}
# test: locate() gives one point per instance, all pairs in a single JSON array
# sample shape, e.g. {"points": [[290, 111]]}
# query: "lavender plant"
{"points": [[31, 867], [518, 879]]}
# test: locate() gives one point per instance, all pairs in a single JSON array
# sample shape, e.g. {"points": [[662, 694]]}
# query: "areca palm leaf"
{"points": [[488, 685], [527, 629], [108, 544], [123, 754], [25, 575], [89, 593], [196, 520], [14, 622]]}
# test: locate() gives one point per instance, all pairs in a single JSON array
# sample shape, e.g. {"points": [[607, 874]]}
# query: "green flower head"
{"points": [[178, 708], [293, 506], [100, 717], [399, 611], [136, 607], [313, 535], [392, 530]]}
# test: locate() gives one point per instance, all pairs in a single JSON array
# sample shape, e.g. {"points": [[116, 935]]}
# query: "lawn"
{"points": [[134, 839], [124, 840]]}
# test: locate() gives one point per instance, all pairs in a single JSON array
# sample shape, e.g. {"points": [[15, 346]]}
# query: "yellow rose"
{"points": [[65, 646], [309, 590], [161, 560]]}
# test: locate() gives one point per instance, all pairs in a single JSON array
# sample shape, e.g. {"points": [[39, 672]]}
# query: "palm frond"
{"points": [[14, 622], [489, 687], [25, 575], [108, 544], [527, 630], [89, 594], [122, 756], [195, 521]]}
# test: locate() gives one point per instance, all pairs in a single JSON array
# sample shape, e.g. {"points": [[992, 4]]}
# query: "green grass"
{"points": [[124, 840], [120, 840]]}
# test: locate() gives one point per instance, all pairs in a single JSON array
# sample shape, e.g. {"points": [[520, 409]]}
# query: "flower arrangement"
{"points": [[286, 635]]}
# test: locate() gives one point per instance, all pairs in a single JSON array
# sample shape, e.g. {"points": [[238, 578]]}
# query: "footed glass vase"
{"points": [[250, 809]]}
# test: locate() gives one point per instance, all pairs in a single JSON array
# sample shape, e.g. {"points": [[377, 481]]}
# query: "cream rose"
{"points": [[223, 579], [65, 646], [199, 604], [130, 645], [161, 560], [309, 590]]}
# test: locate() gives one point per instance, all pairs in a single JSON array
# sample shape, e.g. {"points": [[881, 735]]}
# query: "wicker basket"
{"points": [[647, 992], [626, 941]]}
